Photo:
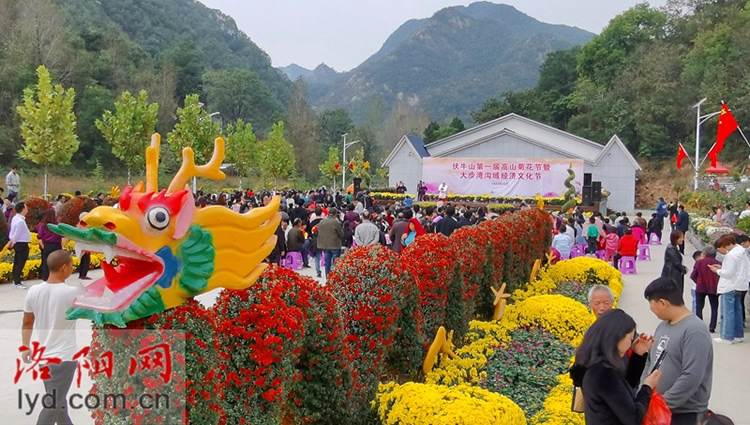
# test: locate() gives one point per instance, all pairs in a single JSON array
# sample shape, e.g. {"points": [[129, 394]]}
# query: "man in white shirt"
{"points": [[19, 242], [13, 183], [734, 273], [44, 315]]}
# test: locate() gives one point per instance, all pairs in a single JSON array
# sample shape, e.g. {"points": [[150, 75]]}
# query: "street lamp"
{"points": [[346, 145]]}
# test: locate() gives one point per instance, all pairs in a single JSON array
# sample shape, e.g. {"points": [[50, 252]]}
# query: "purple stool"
{"points": [[644, 252], [601, 254], [627, 265], [655, 239], [293, 260], [322, 260], [577, 250]]}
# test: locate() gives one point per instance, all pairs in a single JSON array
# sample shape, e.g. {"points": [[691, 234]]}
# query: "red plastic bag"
{"points": [[658, 412], [674, 219]]}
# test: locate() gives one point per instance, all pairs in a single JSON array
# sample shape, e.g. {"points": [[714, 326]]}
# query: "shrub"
{"points": [[320, 390], [431, 259], [563, 317], [260, 334], [364, 281], [526, 368], [475, 257], [71, 210], [194, 371], [37, 206], [418, 404]]}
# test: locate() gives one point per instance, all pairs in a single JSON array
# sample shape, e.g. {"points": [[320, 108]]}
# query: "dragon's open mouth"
{"points": [[135, 272]]}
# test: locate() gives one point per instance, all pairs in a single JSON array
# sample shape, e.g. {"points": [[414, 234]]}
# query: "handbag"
{"points": [[658, 412], [578, 404]]}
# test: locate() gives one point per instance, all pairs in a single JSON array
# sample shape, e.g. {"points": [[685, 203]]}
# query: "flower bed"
{"points": [[419, 404]]}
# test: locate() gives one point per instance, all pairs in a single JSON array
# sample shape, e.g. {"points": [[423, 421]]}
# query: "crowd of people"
{"points": [[318, 224]]}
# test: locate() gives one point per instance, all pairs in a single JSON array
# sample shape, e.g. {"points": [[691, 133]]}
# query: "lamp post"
{"points": [[700, 119], [346, 145]]}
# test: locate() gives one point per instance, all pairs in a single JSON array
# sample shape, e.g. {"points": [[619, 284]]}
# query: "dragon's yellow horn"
{"points": [[188, 170], [152, 163]]}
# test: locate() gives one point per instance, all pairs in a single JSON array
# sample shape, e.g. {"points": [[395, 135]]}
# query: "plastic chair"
{"points": [[601, 254], [577, 250], [644, 252], [627, 265], [655, 239], [293, 260]]}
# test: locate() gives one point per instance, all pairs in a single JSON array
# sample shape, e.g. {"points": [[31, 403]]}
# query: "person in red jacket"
{"points": [[628, 247]]}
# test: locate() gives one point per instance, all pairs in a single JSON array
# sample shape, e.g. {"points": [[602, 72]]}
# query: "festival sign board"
{"points": [[508, 177]]}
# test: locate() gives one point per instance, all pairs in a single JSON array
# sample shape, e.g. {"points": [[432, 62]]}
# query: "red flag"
{"points": [[727, 125], [681, 154], [351, 166]]}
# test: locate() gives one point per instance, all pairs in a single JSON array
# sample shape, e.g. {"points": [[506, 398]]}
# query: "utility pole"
{"points": [[344, 164], [699, 119]]}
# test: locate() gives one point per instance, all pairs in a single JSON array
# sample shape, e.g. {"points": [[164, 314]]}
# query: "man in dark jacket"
{"points": [[330, 235], [295, 241], [682, 224], [398, 229], [448, 224], [279, 251], [465, 220]]}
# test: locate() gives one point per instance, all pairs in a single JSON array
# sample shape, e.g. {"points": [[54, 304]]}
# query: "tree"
{"points": [[300, 123], [242, 147], [431, 132], [130, 127], [276, 155], [332, 124], [48, 123], [195, 129], [331, 168], [358, 166], [239, 94]]}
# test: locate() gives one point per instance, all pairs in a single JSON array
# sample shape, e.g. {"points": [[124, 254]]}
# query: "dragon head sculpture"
{"points": [[161, 250]]}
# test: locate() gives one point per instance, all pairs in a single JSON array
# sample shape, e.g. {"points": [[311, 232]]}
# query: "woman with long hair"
{"points": [[673, 267], [601, 370], [48, 240]]}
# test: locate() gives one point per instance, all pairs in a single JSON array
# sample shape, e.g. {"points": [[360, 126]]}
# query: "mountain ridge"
{"points": [[450, 63]]}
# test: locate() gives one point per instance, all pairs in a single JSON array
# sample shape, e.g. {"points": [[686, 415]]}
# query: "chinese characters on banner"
{"points": [[522, 177]]}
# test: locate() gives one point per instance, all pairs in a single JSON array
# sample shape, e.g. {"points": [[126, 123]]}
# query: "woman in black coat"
{"points": [[600, 371], [673, 267]]}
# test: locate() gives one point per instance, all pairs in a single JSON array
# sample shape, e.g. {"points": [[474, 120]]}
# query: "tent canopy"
{"points": [[718, 169]]}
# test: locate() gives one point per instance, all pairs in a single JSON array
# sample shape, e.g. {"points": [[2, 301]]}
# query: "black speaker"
{"points": [[596, 195], [587, 179], [587, 196], [357, 184]]}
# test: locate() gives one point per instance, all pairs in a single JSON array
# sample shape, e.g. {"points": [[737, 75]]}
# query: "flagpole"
{"points": [[688, 156], [697, 141], [743, 135]]}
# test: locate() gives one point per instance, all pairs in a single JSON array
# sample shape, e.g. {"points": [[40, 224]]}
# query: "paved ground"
{"points": [[731, 382]]}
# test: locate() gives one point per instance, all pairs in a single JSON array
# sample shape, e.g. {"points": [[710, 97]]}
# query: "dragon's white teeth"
{"points": [[108, 294], [108, 252]]}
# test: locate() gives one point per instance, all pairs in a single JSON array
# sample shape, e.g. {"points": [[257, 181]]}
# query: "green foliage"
{"points": [[195, 129], [744, 225], [331, 168], [242, 147], [97, 177], [130, 127], [332, 124], [435, 131], [276, 155], [49, 123], [527, 368], [240, 94]]}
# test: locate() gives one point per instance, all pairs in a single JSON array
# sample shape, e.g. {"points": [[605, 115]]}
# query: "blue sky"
{"points": [[343, 33]]}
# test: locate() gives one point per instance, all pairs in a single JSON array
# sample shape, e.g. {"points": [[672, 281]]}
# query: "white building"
{"points": [[513, 136]]}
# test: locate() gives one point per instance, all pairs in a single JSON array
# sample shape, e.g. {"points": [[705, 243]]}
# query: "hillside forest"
{"points": [[639, 79]]}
